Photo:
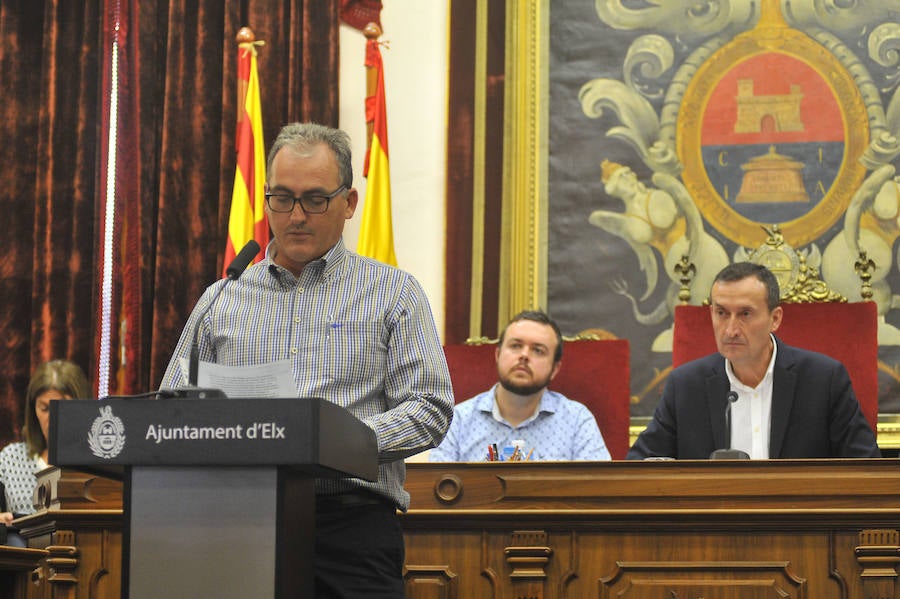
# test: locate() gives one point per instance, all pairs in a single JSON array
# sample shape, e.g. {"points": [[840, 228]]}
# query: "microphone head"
{"points": [[729, 454], [732, 396], [242, 260]]}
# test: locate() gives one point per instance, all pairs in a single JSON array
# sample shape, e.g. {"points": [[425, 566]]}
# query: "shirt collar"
{"points": [[769, 369], [327, 266], [487, 402]]}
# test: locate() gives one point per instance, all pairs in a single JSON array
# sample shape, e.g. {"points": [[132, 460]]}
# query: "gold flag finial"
{"points": [[245, 35]]}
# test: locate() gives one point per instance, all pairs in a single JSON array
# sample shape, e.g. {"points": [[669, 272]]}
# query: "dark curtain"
{"points": [[50, 64], [175, 156]]}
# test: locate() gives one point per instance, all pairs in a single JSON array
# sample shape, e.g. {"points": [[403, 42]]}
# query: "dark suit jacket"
{"points": [[814, 411]]}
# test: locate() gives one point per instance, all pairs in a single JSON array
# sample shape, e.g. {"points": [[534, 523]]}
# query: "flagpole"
{"points": [[247, 219], [372, 32], [376, 236], [244, 35]]}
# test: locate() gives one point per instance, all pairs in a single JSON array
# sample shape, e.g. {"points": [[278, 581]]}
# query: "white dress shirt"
{"points": [[751, 414]]}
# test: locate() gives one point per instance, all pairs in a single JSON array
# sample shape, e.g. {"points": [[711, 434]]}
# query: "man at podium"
{"points": [[356, 332]]}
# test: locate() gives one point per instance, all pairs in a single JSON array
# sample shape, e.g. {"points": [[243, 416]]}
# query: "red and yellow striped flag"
{"points": [[248, 216], [376, 232]]}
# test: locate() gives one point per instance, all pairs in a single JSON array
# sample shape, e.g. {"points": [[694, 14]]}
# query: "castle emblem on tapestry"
{"points": [[750, 115]]}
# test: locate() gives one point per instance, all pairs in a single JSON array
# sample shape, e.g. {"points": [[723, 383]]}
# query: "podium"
{"points": [[219, 494]]}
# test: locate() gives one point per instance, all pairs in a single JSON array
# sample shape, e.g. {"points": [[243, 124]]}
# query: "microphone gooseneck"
{"points": [[729, 454], [731, 397], [233, 272], [194, 359]]}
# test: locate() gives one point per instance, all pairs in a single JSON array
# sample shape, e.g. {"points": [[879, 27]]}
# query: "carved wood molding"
{"points": [[62, 559], [436, 580], [878, 554], [705, 578], [448, 489], [528, 554]]}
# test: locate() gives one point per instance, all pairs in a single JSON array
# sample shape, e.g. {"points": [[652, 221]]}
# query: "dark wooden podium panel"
{"points": [[810, 529]]}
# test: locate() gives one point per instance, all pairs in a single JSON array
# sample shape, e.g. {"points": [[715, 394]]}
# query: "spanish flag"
{"points": [[376, 235], [248, 216]]}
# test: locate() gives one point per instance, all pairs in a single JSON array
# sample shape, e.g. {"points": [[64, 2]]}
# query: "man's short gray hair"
{"points": [[304, 136]]}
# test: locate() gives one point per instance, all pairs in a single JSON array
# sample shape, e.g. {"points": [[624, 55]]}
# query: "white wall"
{"points": [[415, 65]]}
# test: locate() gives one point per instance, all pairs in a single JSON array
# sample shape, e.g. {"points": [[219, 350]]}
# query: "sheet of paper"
{"points": [[265, 380]]}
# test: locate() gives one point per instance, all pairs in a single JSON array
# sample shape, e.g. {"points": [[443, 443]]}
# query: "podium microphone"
{"points": [[233, 272], [731, 398], [729, 454]]}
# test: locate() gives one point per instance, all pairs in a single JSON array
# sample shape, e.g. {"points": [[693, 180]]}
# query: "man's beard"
{"points": [[523, 389]]}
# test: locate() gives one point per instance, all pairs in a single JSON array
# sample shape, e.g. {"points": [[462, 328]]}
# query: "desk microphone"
{"points": [[729, 454], [731, 397], [233, 272]]}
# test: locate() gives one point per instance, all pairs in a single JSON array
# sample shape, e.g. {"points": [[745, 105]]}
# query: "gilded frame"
{"points": [[525, 177], [523, 258]]}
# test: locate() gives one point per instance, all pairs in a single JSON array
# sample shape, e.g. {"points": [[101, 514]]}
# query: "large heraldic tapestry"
{"points": [[697, 128]]}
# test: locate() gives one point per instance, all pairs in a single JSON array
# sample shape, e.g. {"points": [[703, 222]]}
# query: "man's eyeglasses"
{"points": [[311, 203]]}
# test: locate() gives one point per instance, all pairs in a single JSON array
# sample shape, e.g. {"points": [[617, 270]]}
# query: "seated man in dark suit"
{"points": [[785, 402]]}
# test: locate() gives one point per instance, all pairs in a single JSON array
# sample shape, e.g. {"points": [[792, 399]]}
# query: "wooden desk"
{"points": [[816, 529], [79, 529], [813, 529], [16, 567]]}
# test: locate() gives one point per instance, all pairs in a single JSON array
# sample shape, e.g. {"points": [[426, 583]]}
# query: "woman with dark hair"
{"points": [[19, 462]]}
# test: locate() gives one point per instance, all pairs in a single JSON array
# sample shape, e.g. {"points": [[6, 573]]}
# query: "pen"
{"points": [[490, 453], [529, 454]]}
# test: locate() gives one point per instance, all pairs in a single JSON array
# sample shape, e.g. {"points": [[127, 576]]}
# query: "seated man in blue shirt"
{"points": [[520, 410]]}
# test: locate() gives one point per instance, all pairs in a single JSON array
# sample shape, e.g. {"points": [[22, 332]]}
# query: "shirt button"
{"points": [[297, 320], [293, 350], [299, 289]]}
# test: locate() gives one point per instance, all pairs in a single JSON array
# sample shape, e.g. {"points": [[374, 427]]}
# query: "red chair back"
{"points": [[847, 332]]}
